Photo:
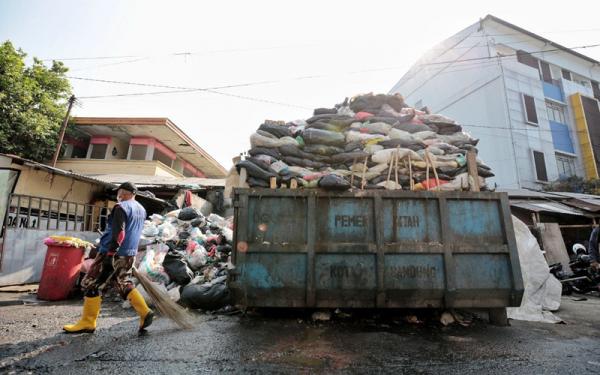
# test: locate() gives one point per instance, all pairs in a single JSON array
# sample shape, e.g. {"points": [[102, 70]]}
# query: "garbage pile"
{"points": [[188, 255], [371, 142]]}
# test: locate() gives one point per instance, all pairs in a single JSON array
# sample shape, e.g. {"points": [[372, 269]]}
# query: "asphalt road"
{"points": [[31, 342]]}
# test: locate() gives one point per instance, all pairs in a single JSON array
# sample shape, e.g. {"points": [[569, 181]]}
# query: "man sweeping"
{"points": [[114, 261]]}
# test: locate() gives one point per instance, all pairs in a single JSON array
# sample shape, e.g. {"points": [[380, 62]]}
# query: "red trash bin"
{"points": [[60, 272]]}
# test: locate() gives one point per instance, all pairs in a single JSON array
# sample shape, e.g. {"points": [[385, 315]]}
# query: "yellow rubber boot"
{"points": [[87, 323], [138, 303]]}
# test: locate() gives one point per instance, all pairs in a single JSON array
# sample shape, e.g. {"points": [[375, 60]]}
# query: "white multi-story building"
{"points": [[532, 102]]}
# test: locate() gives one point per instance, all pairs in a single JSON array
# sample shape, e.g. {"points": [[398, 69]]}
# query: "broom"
{"points": [[165, 305]]}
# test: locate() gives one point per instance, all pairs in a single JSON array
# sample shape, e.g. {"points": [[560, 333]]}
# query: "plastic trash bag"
{"points": [[208, 296], [265, 151], [333, 182], [254, 170], [372, 128], [323, 137], [198, 258], [188, 214], [151, 263], [354, 136], [278, 131], [385, 156], [324, 150], [177, 268]]}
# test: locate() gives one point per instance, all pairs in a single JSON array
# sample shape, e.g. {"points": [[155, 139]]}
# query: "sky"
{"points": [[261, 60]]}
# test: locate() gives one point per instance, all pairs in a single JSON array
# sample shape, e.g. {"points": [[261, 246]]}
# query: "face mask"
{"points": [[119, 199]]}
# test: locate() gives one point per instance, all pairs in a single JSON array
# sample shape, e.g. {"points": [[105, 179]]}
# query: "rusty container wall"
{"points": [[374, 249]]}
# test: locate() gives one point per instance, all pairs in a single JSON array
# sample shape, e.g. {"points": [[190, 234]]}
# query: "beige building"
{"points": [[37, 201], [136, 146]]}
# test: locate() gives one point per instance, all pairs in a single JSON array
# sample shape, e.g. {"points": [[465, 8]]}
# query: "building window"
{"points": [[138, 152], [540, 166], [596, 89], [566, 74], [530, 112], [162, 158], [566, 166], [546, 74], [526, 58], [98, 151], [556, 112]]}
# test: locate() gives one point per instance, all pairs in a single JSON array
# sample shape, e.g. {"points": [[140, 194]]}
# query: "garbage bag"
{"points": [[266, 134], [333, 182], [326, 126], [264, 151], [372, 128], [264, 159], [188, 214], [371, 149], [325, 111], [151, 263], [208, 296], [290, 160], [373, 103], [349, 157], [328, 118], [412, 128], [353, 146], [257, 182], [323, 149], [354, 136], [278, 131], [421, 136], [197, 259], [258, 140], [177, 268], [254, 170], [393, 143], [542, 290], [294, 151], [385, 156], [323, 137]]}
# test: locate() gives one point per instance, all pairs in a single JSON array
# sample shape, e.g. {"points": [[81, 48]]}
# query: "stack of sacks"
{"points": [[370, 141]]}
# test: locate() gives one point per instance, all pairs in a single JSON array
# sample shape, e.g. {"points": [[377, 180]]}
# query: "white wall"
{"points": [[24, 254]]}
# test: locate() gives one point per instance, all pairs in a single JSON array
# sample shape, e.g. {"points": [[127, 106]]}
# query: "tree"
{"points": [[32, 104]]}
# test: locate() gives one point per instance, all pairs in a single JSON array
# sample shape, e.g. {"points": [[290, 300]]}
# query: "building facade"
{"points": [[136, 146], [532, 102]]}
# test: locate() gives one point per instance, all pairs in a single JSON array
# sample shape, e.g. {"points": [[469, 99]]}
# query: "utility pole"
{"points": [[63, 128]]}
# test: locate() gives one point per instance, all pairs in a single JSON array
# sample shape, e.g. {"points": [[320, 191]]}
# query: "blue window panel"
{"points": [[561, 138], [553, 92]]}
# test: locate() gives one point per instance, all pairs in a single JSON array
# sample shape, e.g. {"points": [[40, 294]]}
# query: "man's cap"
{"points": [[129, 186]]}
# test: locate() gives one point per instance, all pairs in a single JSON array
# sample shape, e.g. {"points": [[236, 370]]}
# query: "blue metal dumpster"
{"points": [[374, 249]]}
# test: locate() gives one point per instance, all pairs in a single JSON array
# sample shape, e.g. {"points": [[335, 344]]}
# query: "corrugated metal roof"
{"points": [[165, 181], [524, 193], [547, 206], [77, 176]]}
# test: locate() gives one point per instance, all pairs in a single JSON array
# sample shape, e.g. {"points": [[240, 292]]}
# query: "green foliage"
{"points": [[32, 104], [575, 185]]}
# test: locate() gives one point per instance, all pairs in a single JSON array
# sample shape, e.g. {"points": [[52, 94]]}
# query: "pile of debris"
{"points": [[368, 142], [187, 255]]}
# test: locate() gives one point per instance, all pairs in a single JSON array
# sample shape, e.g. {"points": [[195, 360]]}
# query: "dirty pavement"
{"points": [[276, 342]]}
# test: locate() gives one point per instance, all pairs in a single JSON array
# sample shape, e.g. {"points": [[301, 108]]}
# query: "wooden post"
{"points": [[61, 134], [243, 177], [410, 176], [352, 175], [472, 168], [273, 182], [364, 172]]}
